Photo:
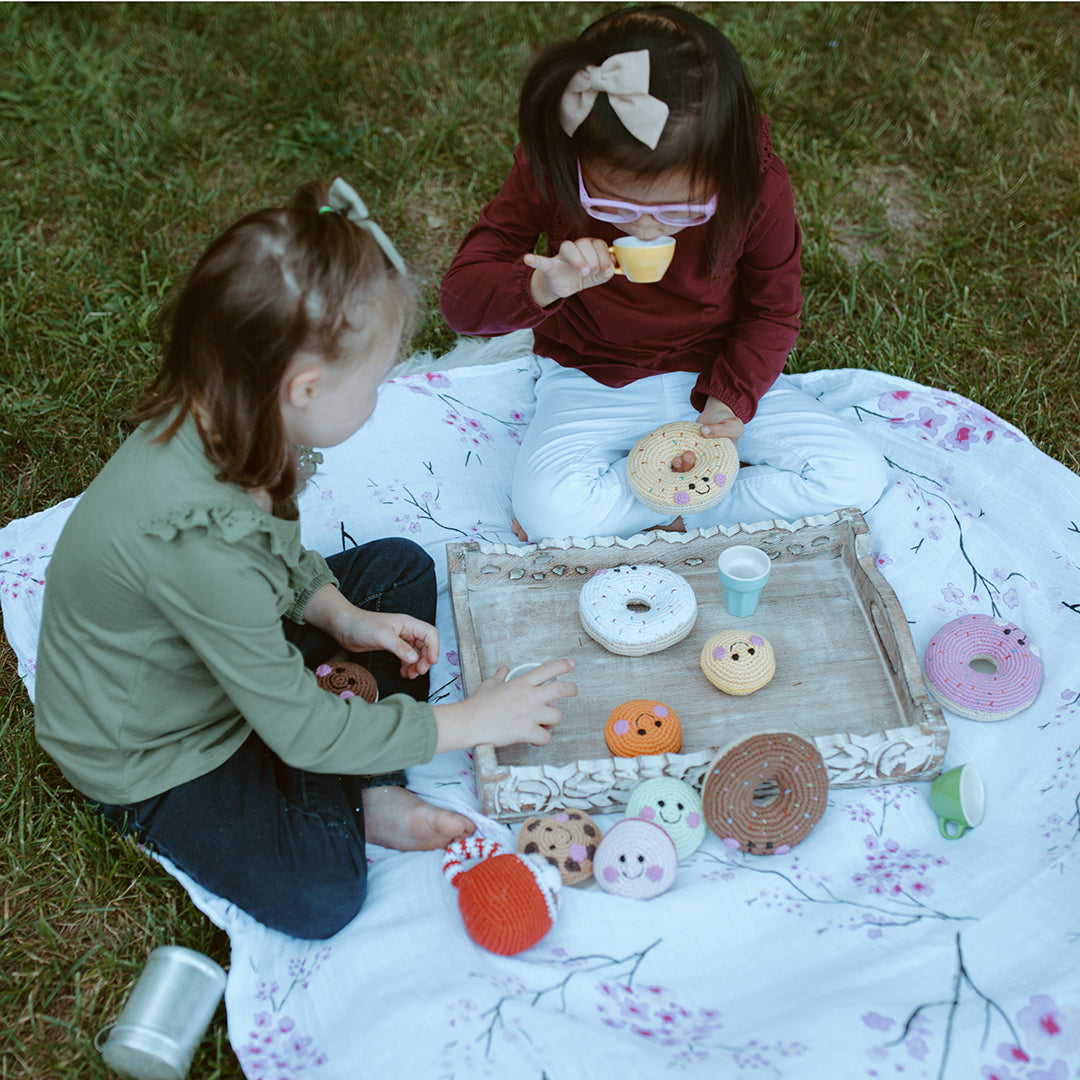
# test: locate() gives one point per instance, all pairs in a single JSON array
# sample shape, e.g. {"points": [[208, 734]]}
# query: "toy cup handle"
{"points": [[944, 823], [618, 268]]}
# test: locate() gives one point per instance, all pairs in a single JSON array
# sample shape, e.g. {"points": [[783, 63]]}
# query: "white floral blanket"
{"points": [[876, 948]]}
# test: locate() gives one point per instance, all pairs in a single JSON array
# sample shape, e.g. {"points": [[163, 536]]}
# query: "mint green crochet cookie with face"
{"points": [[673, 805]]}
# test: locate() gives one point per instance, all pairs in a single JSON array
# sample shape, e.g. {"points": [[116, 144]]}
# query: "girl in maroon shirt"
{"points": [[646, 125]]}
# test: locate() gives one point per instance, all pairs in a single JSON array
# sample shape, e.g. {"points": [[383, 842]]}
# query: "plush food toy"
{"points": [[673, 805], [567, 840], [635, 859], [643, 727], [507, 902], [347, 679]]}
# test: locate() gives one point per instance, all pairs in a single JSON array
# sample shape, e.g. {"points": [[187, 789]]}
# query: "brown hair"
{"points": [[278, 281], [713, 119]]}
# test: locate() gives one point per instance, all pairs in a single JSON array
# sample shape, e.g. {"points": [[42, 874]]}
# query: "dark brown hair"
{"points": [[713, 119], [278, 281]]}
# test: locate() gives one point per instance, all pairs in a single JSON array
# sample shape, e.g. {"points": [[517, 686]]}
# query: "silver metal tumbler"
{"points": [[166, 1015]]}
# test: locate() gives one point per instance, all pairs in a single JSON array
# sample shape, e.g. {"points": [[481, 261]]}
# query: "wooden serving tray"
{"points": [[847, 677]]}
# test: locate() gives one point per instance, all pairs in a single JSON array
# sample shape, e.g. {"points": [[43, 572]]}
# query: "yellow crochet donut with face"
{"points": [[738, 662], [659, 487]]}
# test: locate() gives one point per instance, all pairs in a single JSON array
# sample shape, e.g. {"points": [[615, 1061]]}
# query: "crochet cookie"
{"points": [[673, 805], [642, 726], [737, 662], [765, 793], [347, 679], [567, 840], [635, 859], [634, 610], [983, 668], [652, 480]]}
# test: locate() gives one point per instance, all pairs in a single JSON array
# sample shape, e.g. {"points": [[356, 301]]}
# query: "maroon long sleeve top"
{"points": [[734, 324]]}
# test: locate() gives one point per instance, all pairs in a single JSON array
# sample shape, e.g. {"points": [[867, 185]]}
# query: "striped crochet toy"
{"points": [[507, 902]]}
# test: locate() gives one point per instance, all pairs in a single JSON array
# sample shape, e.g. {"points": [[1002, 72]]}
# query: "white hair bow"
{"points": [[624, 77], [344, 200]]}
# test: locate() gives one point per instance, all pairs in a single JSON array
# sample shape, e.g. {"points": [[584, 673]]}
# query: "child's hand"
{"points": [[520, 711], [718, 421], [414, 642], [580, 264]]}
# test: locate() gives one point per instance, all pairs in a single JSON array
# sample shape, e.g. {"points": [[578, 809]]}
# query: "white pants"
{"points": [[798, 457]]}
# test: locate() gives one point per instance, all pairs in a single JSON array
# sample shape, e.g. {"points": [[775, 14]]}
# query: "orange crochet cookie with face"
{"points": [[643, 727]]}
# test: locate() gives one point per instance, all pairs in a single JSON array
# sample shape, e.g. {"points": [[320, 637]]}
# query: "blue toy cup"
{"points": [[743, 572]]}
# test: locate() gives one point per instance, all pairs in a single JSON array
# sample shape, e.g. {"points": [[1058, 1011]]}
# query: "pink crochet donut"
{"points": [[983, 668]]}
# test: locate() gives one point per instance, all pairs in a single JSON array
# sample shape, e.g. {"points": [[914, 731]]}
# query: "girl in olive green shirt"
{"points": [[182, 615]]}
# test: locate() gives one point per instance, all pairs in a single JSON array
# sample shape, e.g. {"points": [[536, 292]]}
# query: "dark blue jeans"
{"points": [[287, 846]]}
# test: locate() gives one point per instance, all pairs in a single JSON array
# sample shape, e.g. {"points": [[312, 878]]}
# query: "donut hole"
{"points": [[983, 665], [684, 462], [638, 606], [766, 793]]}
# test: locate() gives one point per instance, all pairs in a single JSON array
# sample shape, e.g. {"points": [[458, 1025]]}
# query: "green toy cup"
{"points": [[959, 800]]}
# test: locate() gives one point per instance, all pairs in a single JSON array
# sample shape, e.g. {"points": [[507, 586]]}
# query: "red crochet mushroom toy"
{"points": [[507, 902]]}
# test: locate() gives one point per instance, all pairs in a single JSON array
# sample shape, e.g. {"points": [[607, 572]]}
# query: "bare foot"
{"points": [[518, 531], [397, 818], [684, 462]]}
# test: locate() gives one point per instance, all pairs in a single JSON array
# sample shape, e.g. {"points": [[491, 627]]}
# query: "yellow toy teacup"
{"points": [[642, 261]]}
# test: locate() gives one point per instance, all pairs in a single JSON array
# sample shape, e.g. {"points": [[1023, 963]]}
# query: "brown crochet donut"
{"points": [[652, 480], [347, 679], [765, 793]]}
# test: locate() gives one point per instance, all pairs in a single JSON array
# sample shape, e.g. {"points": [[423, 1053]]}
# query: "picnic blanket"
{"points": [[875, 948]]}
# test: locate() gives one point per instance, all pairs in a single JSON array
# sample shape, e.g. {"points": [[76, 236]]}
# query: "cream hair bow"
{"points": [[624, 77], [344, 200]]}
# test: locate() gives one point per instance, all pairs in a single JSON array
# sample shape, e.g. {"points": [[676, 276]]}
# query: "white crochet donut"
{"points": [[648, 469], [634, 610], [983, 668]]}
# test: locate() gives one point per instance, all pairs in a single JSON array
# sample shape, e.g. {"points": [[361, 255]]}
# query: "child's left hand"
{"points": [[718, 421]]}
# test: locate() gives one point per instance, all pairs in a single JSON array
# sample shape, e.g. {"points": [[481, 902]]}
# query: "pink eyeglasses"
{"points": [[622, 213]]}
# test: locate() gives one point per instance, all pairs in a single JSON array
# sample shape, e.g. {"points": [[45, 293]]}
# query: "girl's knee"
{"points": [[859, 480], [317, 907]]}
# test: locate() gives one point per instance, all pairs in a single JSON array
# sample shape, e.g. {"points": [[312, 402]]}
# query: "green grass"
{"points": [[936, 159]]}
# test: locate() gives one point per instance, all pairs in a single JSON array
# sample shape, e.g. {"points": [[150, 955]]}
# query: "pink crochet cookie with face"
{"points": [[635, 859], [983, 668]]}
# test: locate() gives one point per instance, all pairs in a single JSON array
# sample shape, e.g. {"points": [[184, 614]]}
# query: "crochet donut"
{"points": [[652, 480], [983, 668], [738, 662], [642, 726], [765, 793], [634, 610], [347, 679]]}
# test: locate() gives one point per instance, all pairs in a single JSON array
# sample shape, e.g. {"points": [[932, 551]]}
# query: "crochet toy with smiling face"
{"points": [[673, 805], [641, 727], [635, 859], [347, 679], [738, 662]]}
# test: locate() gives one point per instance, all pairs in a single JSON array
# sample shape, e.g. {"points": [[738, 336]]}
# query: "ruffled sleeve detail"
{"points": [[230, 522]]}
